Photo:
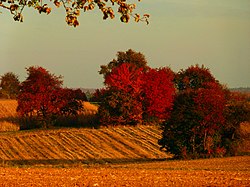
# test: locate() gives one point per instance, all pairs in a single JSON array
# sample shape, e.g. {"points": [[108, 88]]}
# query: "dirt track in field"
{"points": [[233, 171]]}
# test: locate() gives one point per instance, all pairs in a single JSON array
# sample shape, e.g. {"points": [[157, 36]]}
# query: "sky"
{"points": [[181, 33]]}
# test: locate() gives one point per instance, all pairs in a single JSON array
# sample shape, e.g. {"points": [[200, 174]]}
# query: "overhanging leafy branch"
{"points": [[73, 9]]}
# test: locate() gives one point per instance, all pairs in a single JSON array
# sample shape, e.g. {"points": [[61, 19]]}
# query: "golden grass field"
{"points": [[64, 146], [7, 113], [121, 156]]}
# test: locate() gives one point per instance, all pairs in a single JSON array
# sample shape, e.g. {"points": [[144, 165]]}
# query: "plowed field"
{"points": [[211, 172], [124, 156]]}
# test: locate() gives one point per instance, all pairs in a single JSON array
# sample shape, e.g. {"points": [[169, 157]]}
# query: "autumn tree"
{"points": [[71, 101], [39, 95], [158, 93], [74, 8], [97, 95], [121, 103], [119, 108], [9, 85], [194, 127], [193, 78], [136, 95], [43, 99], [121, 98], [130, 56], [210, 104], [236, 112]]}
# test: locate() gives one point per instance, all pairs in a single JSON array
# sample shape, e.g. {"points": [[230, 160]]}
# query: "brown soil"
{"points": [[233, 171]]}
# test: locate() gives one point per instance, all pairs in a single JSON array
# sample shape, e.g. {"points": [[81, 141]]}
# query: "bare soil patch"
{"points": [[234, 171]]}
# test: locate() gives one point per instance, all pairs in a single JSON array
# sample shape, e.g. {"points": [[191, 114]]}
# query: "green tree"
{"points": [[9, 85], [73, 9]]}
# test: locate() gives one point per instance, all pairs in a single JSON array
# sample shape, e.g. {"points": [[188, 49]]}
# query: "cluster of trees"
{"points": [[199, 116], [197, 119], [134, 93], [42, 100]]}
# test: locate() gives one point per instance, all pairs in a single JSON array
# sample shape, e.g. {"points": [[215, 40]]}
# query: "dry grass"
{"points": [[245, 128], [8, 126], [8, 108], [89, 108], [245, 146], [8, 115]]}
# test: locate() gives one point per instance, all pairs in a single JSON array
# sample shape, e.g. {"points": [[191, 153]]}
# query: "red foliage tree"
{"points": [[42, 97], [197, 119], [193, 78], [158, 93], [210, 103], [121, 100], [38, 93], [126, 77], [70, 101], [132, 92]]}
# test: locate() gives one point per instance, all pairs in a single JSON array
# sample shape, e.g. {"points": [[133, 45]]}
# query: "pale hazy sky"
{"points": [[181, 33]]}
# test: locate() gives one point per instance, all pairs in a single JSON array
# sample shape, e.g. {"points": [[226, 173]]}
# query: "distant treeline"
{"points": [[240, 89]]}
